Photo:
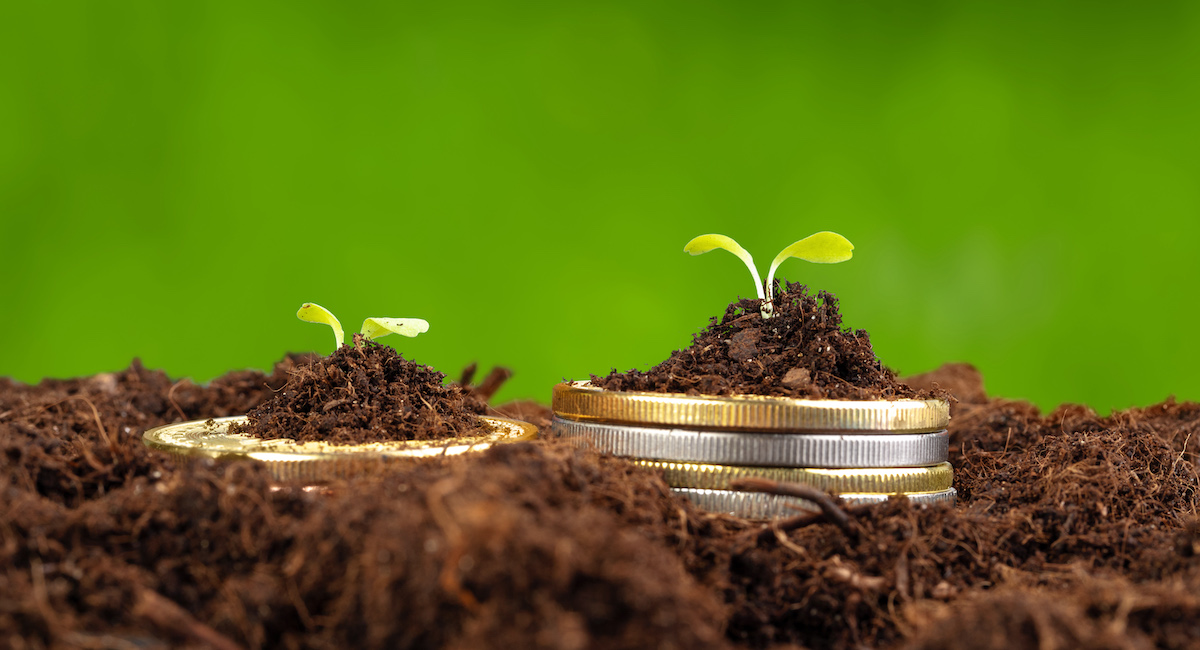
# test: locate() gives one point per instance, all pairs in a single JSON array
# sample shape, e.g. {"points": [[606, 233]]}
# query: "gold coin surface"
{"points": [[584, 402], [286, 459], [894, 480]]}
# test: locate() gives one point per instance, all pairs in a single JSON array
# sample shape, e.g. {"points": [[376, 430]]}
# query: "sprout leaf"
{"points": [[705, 243], [314, 313], [821, 248], [373, 328]]}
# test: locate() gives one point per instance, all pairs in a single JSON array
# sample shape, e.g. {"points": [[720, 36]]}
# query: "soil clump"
{"points": [[1072, 530], [802, 351], [367, 392]]}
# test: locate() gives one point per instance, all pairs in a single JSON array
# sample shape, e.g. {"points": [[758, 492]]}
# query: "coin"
{"points": [[757, 505], [828, 450], [315, 461], [582, 401], [887, 480]]}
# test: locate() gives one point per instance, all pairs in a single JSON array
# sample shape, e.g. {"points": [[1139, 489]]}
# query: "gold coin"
{"points": [[893, 480], [582, 401], [316, 461]]}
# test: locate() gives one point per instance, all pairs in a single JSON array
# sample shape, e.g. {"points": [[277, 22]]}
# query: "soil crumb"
{"points": [[366, 392], [802, 352]]}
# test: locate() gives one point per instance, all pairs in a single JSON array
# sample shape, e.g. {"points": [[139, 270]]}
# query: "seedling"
{"points": [[372, 328], [821, 248]]}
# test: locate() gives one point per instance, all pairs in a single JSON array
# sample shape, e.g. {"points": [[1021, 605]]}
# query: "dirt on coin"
{"points": [[802, 351], [366, 392], [1071, 530]]}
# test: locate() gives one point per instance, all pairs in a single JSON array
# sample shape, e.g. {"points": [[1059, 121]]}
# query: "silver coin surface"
{"points": [[817, 450], [757, 505]]}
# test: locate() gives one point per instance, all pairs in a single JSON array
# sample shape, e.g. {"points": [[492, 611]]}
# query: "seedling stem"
{"points": [[372, 328], [821, 248]]}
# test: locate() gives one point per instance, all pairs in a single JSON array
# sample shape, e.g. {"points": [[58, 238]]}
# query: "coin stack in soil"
{"points": [[862, 451]]}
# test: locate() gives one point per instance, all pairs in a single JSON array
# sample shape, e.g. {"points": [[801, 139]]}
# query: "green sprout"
{"points": [[372, 328], [821, 248]]}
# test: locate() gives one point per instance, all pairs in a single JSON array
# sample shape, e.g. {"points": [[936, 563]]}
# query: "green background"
{"points": [[1020, 180]]}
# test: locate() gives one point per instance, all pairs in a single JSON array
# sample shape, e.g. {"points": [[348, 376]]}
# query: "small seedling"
{"points": [[372, 328], [821, 248]]}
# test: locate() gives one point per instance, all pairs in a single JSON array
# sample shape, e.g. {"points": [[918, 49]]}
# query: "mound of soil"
{"points": [[1071, 530], [366, 392], [802, 351]]}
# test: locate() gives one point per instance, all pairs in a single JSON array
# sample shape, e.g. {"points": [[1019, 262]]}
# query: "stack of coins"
{"points": [[862, 451]]}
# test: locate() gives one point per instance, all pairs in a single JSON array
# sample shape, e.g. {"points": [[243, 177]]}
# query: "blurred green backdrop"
{"points": [[1021, 180]]}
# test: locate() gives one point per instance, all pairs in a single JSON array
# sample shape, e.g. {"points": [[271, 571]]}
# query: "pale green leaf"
{"points": [[314, 313], [373, 328], [706, 243], [821, 248]]}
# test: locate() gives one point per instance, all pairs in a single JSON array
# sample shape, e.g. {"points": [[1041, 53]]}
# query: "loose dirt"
{"points": [[802, 351], [1071, 530], [367, 392]]}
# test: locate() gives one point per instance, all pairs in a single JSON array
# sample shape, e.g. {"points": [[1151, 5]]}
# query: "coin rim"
{"points": [[782, 450], [580, 401], [283, 450], [775, 506], [866, 480]]}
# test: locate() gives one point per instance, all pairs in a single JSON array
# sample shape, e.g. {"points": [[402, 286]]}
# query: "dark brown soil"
{"points": [[366, 392], [1072, 530], [802, 351]]}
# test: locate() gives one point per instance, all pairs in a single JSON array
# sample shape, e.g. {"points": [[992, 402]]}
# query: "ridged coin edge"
{"points": [[826, 450], [758, 505], [875, 480], [582, 401]]}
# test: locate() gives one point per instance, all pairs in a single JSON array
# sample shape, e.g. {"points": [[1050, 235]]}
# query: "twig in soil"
{"points": [[81, 444], [41, 598], [783, 540], [166, 614], [298, 602], [437, 416], [492, 383], [334, 403], [683, 524], [99, 425], [468, 374], [829, 508], [1183, 451], [846, 575], [171, 399], [454, 540], [903, 577], [781, 526], [95, 414], [90, 458]]}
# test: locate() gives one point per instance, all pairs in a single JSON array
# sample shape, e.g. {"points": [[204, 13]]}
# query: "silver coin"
{"points": [[824, 450], [757, 505]]}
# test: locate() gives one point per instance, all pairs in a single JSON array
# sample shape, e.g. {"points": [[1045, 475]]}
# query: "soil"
{"points": [[802, 351], [1072, 530], [366, 392]]}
